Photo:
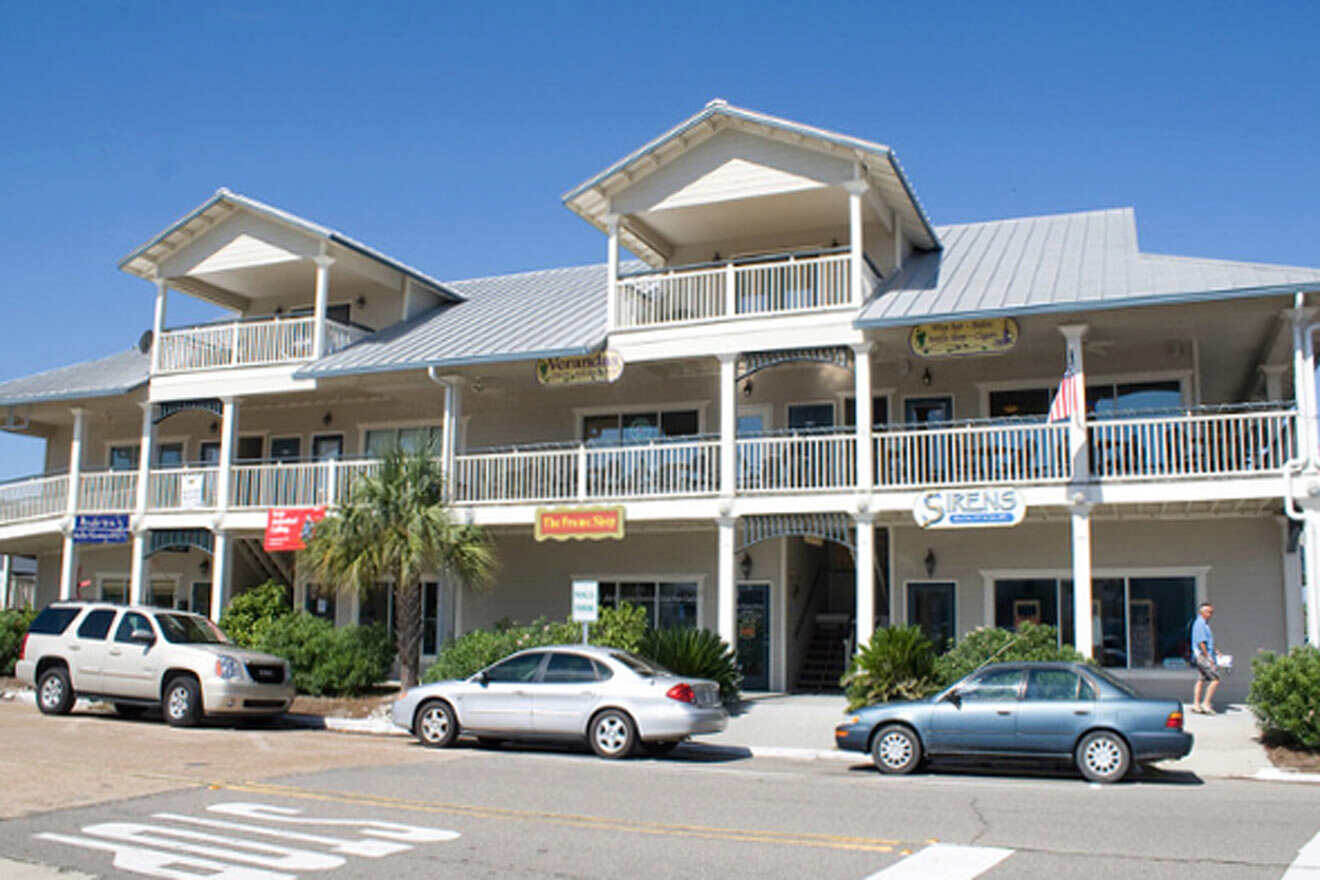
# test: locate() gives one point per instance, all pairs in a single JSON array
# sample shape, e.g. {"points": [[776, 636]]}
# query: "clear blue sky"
{"points": [[445, 134]]}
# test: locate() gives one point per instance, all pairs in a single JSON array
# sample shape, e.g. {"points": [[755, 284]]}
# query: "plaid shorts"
{"points": [[1209, 671]]}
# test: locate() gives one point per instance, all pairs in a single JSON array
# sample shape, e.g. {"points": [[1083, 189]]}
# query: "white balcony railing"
{"points": [[797, 462], [960, 455], [182, 488], [519, 475], [677, 296], [107, 491], [1194, 445], [292, 484], [249, 343], [34, 497]]}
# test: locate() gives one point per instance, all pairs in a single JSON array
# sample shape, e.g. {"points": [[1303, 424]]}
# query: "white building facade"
{"points": [[804, 410]]}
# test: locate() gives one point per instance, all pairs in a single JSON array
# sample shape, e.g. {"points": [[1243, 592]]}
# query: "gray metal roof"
{"points": [[1058, 263], [104, 377], [547, 313]]}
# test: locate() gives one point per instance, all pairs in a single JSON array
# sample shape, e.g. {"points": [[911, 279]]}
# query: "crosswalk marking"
{"points": [[1307, 864], [946, 861]]}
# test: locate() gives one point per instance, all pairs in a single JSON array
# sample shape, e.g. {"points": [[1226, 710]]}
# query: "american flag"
{"points": [[1065, 399]]}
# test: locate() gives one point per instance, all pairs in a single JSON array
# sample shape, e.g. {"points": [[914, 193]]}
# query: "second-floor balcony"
{"points": [[1204, 444], [249, 343]]}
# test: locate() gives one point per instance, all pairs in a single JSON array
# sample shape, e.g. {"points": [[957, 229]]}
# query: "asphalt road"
{"points": [[283, 804]]}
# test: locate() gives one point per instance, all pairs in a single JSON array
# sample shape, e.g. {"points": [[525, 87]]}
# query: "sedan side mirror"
{"points": [[142, 637], [954, 697], [483, 678]]}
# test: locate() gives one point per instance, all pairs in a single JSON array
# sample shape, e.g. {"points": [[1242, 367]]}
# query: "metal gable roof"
{"points": [[1055, 263], [546, 313], [105, 377]]}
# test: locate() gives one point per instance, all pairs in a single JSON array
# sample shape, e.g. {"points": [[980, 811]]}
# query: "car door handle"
{"points": [[585, 693], [1081, 711], [75, 647], [1005, 712], [114, 652], [520, 693]]}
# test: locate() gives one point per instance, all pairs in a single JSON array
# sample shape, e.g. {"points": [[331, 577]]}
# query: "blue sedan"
{"points": [[1069, 711]]}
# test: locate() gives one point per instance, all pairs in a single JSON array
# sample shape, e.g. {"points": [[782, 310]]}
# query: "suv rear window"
{"points": [[53, 621], [96, 624]]}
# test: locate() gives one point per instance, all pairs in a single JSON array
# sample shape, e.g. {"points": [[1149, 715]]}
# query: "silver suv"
{"points": [[138, 657]]}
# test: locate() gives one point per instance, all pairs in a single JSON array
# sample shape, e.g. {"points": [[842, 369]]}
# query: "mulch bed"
{"points": [[1290, 757]]}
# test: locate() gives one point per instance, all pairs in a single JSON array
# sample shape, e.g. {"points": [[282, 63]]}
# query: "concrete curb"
{"points": [[1278, 774]]}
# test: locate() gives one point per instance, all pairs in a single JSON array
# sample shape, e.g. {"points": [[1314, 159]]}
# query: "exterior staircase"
{"points": [[823, 662]]}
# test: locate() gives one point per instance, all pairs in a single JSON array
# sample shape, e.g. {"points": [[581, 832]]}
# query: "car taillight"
{"points": [[1174, 721], [682, 692], [22, 648]]}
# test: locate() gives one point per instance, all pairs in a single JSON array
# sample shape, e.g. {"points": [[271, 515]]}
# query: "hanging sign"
{"points": [[586, 595], [579, 523], [969, 508], [588, 369], [289, 528], [962, 338], [100, 528], [190, 490]]}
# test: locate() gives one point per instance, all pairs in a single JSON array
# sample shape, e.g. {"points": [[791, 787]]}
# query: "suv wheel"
{"points": [[183, 702], [54, 693]]}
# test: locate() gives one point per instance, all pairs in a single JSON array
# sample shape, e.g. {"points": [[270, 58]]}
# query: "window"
{"points": [[879, 411], [210, 452], [379, 441], [115, 590], [319, 605], [129, 622], [169, 455], [123, 458], [327, 446], [185, 629], [249, 448], [340, 312], [931, 606], [668, 604], [806, 416], [569, 668], [1052, 684], [1020, 402], [520, 668], [96, 624], [52, 621], [286, 448], [997, 684], [377, 606], [1133, 396], [615, 429], [430, 617]]}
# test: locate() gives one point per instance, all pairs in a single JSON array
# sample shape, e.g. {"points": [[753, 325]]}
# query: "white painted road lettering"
{"points": [[946, 861], [172, 852]]}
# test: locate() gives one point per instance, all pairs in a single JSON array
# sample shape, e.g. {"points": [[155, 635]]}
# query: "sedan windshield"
{"points": [[186, 629]]}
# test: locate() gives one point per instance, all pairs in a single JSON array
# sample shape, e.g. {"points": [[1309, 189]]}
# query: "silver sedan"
{"points": [[615, 700]]}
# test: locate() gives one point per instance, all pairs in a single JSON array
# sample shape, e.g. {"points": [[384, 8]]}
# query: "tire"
{"points": [[129, 710], [182, 706], [55, 694], [612, 734], [1103, 756], [659, 748], [435, 726], [896, 749]]}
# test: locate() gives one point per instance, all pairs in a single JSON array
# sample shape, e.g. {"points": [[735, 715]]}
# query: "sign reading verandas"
{"points": [[602, 367], [579, 523], [289, 528]]}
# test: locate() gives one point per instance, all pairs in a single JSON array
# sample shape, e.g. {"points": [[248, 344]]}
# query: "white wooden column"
{"points": [[728, 426], [221, 573], [898, 241], [450, 426], [726, 595], [1311, 566], [1081, 568], [69, 561], [856, 241], [224, 478], [865, 604], [1077, 451], [323, 264], [68, 565], [612, 268], [1304, 380], [139, 588], [1294, 627], [158, 326], [863, 416], [4, 581]]}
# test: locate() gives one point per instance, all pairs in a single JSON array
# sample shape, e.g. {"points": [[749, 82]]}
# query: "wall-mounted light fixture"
{"points": [[215, 426], [205, 566], [930, 562], [279, 310], [925, 377], [360, 301], [745, 565], [327, 418], [747, 388]]}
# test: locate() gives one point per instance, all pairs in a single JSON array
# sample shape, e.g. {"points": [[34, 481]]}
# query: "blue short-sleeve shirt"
{"points": [[1201, 633]]}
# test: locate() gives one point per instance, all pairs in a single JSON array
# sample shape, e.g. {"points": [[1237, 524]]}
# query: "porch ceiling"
{"points": [[755, 219]]}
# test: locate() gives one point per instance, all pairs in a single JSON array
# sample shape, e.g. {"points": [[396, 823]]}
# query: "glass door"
{"points": [[931, 606], [754, 635]]}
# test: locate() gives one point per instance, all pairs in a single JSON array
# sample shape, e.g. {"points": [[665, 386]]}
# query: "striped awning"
{"points": [[755, 361], [836, 527], [171, 407], [181, 539]]}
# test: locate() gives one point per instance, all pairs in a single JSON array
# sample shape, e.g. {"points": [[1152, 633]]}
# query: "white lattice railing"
{"points": [[972, 454], [182, 488], [248, 343], [761, 288], [1195, 445], [107, 491], [797, 462], [34, 497]]}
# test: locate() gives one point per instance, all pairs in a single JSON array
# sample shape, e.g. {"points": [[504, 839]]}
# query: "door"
{"points": [[86, 650], [753, 617], [984, 719], [130, 668], [1056, 707], [327, 446], [751, 422], [927, 410], [201, 598], [504, 702], [932, 606], [566, 694], [930, 458]]}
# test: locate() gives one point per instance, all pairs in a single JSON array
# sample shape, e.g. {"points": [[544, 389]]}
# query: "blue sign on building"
{"points": [[102, 528]]}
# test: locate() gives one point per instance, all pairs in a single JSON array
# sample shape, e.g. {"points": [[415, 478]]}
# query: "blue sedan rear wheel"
{"points": [[1103, 756], [896, 749]]}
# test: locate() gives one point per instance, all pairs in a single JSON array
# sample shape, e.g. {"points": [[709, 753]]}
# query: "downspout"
{"points": [[1306, 456]]}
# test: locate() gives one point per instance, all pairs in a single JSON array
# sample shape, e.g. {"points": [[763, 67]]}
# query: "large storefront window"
{"points": [[1137, 622], [616, 429], [931, 606], [668, 604], [379, 441]]}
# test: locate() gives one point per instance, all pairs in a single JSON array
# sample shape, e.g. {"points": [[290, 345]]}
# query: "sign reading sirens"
{"points": [[968, 508], [579, 523]]}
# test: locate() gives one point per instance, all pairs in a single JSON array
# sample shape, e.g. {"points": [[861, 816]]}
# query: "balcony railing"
{"points": [[1197, 444], [182, 488], [249, 343], [107, 491], [34, 497], [972, 453], [764, 287], [797, 462]]}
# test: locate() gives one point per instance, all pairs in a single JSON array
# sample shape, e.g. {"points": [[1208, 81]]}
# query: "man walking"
{"points": [[1207, 661]]}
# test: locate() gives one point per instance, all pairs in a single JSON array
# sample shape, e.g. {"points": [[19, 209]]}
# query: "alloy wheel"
{"points": [[611, 733], [434, 724], [895, 750], [1103, 756], [52, 692]]}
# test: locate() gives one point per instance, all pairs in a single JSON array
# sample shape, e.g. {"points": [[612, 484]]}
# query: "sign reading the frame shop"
{"points": [[579, 523], [104, 528], [588, 369], [968, 508], [962, 338]]}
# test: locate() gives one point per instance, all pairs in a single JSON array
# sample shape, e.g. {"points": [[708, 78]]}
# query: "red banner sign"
{"points": [[289, 528], [579, 523]]}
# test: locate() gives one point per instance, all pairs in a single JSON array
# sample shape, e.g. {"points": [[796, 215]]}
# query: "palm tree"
{"points": [[396, 525]]}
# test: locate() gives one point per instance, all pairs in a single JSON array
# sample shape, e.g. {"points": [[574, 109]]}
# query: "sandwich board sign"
{"points": [[585, 604]]}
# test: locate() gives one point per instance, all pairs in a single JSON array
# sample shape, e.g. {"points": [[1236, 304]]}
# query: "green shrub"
{"points": [[13, 626], [249, 611], [990, 645], [1285, 694], [622, 627], [696, 652], [897, 664], [328, 661]]}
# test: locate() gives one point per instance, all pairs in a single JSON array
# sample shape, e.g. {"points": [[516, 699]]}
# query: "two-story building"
{"points": [[798, 412]]}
